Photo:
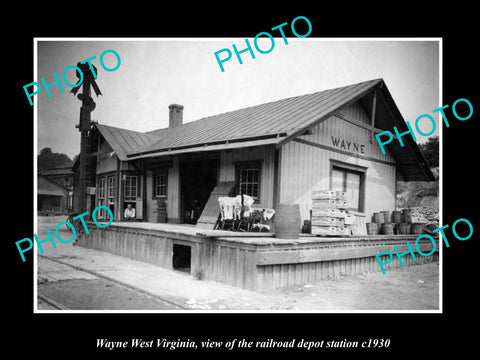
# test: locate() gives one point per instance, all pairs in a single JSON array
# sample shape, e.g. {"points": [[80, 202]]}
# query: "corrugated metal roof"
{"points": [[50, 186], [286, 117], [280, 120], [124, 141]]}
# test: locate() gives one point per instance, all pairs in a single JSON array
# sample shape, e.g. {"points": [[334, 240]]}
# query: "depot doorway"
{"points": [[198, 177]]}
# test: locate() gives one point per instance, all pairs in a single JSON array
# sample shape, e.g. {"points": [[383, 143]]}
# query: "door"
{"points": [[198, 179], [350, 182], [132, 194]]}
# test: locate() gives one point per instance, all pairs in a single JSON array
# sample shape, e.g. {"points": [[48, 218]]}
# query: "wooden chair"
{"points": [[226, 219], [235, 213]]}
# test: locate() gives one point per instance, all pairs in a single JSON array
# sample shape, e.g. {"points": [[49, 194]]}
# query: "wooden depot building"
{"points": [[277, 153]]}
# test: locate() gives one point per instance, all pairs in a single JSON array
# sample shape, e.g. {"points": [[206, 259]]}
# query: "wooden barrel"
{"points": [[430, 228], [307, 227], [386, 229], [403, 228], [407, 215], [287, 221], [386, 217], [416, 228], [378, 218], [397, 217], [372, 229]]}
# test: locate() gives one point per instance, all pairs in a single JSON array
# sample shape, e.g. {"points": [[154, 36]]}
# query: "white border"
{"points": [[35, 179], [437, 311]]}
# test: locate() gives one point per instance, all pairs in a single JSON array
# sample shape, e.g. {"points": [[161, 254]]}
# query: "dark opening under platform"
{"points": [[254, 261]]}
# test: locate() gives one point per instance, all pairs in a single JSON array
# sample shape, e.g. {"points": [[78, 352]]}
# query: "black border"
{"points": [[411, 334]]}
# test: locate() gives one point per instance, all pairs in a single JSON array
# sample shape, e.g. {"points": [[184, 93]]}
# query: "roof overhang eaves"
{"points": [[415, 167], [410, 147], [207, 147]]}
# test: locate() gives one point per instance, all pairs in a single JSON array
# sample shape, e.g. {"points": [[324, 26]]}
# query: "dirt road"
{"points": [[412, 288], [409, 288], [74, 289]]}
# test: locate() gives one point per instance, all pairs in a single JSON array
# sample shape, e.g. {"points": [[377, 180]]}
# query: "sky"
{"points": [[155, 73]]}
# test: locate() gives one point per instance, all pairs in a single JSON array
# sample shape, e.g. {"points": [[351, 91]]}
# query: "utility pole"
{"points": [[88, 105]]}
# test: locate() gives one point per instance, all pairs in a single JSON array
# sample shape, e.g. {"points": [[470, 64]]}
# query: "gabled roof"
{"points": [[124, 141], [279, 119], [271, 123], [61, 170], [44, 191]]}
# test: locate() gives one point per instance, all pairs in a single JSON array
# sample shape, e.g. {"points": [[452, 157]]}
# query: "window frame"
{"points": [[101, 200], [249, 165], [101, 187], [155, 184], [111, 187], [352, 169], [130, 198]]}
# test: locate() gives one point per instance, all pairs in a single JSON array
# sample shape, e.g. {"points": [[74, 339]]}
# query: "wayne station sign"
{"points": [[348, 145]]}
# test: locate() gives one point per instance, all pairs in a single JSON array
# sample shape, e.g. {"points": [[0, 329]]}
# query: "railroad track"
{"points": [[59, 306], [51, 302]]}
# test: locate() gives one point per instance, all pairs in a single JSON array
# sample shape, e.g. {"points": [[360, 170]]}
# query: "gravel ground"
{"points": [[412, 288], [409, 288]]}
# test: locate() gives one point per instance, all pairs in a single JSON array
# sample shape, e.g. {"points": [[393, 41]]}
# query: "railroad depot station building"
{"points": [[277, 153]]}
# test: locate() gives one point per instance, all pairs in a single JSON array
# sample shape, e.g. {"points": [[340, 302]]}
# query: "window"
{"points": [[101, 188], [349, 179], [130, 188], [160, 184], [111, 193], [101, 197], [248, 182], [248, 179], [111, 187]]}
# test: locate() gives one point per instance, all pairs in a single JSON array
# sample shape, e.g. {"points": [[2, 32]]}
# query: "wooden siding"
{"points": [[357, 112], [255, 263], [223, 262], [266, 154], [127, 166], [173, 194], [151, 216], [146, 246], [305, 164], [229, 263], [289, 274], [107, 160]]}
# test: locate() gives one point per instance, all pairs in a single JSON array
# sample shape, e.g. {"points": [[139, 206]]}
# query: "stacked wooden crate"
{"points": [[160, 210], [329, 215]]}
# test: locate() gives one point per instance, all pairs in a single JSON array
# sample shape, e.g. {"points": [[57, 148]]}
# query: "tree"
{"points": [[47, 159], [46, 150], [75, 158], [430, 151]]}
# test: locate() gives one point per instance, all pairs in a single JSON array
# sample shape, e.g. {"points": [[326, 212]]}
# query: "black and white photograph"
{"points": [[275, 184], [240, 181]]}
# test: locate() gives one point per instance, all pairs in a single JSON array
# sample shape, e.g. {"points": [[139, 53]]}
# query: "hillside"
{"points": [[422, 196], [47, 159]]}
